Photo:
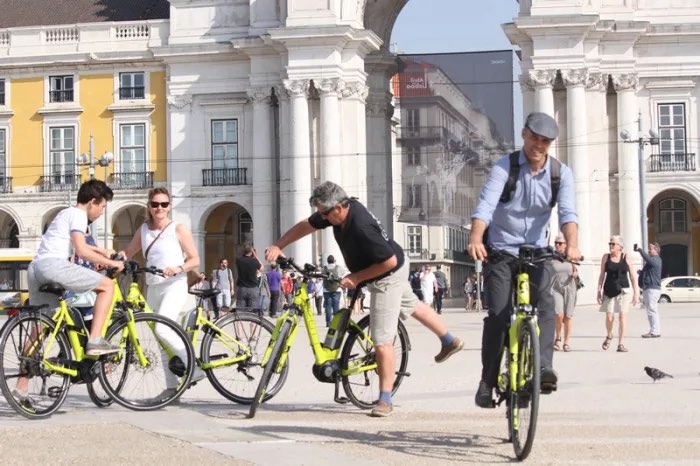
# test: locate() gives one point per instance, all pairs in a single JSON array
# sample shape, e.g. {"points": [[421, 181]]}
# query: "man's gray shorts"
{"points": [[72, 277]]}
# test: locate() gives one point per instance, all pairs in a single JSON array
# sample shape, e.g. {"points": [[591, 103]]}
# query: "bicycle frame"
{"points": [[522, 310]]}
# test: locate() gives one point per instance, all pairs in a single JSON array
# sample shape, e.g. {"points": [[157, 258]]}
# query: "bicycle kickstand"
{"points": [[336, 396]]}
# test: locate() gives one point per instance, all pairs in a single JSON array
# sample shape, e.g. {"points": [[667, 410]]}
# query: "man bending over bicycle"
{"points": [[378, 261], [65, 236], [522, 219]]}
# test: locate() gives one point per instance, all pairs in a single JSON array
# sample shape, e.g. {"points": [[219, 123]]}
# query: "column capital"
{"points": [[379, 108], [296, 87], [525, 84], [179, 101], [625, 81], [574, 77], [597, 81], [358, 89], [259, 95], [330, 87], [542, 78]]}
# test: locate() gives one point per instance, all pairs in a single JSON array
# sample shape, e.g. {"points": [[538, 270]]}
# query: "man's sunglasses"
{"points": [[155, 205], [557, 243]]}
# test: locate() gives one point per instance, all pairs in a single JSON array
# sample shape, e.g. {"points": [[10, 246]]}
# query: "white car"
{"points": [[680, 289]]}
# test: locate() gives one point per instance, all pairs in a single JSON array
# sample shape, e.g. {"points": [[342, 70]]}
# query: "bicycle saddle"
{"points": [[53, 288], [210, 293]]}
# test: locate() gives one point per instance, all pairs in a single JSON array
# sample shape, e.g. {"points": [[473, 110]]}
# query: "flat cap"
{"points": [[542, 124]]}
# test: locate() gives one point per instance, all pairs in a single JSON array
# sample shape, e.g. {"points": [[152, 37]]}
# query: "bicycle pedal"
{"points": [[403, 374], [341, 400], [54, 392]]}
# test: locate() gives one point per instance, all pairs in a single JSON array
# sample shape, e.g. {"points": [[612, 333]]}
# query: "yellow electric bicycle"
{"points": [[519, 384], [43, 352], [346, 355]]}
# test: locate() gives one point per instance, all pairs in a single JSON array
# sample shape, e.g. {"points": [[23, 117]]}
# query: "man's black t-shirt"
{"points": [[247, 267], [362, 241]]}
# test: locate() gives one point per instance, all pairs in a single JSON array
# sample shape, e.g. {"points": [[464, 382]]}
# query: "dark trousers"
{"points": [[498, 278], [438, 299], [274, 302], [319, 304], [214, 307], [248, 297]]}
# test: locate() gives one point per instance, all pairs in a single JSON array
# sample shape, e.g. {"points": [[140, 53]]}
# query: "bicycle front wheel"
{"points": [[525, 401], [358, 363], [270, 367], [236, 377], [32, 389], [153, 367]]}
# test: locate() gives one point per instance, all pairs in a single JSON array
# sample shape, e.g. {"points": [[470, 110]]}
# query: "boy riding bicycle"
{"points": [[64, 237]]}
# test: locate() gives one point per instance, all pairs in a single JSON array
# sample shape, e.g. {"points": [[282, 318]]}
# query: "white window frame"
{"points": [[6, 91], [122, 147], [674, 154], [121, 119], [244, 221], [76, 149], [674, 212], [4, 140], [413, 155], [413, 119], [237, 143], [414, 239], [47, 88], [146, 86]]}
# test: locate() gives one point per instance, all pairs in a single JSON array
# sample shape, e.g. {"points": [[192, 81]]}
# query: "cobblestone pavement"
{"points": [[606, 411]]}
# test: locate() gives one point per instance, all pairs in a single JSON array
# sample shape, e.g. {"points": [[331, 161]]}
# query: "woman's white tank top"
{"points": [[165, 252]]}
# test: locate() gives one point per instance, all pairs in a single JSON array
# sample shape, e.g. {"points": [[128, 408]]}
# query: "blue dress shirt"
{"points": [[525, 218]]}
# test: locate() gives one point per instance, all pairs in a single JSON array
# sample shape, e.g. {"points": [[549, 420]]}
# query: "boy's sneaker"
{"points": [[447, 351], [100, 347], [383, 409], [197, 375]]}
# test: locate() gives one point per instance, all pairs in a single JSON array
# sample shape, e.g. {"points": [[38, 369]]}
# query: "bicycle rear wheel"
{"points": [[361, 384], [23, 348], [270, 367], [157, 380], [238, 381], [525, 401]]}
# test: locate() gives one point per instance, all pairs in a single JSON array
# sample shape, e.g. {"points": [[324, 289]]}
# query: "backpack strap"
{"points": [[555, 179], [513, 174]]}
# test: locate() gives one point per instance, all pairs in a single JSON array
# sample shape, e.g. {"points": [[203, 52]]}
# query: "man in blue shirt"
{"points": [[522, 220]]}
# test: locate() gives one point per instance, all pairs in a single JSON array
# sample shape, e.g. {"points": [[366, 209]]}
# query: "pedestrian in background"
{"points": [[414, 280], [467, 288], [428, 285], [441, 287], [332, 291], [248, 268], [616, 275], [650, 281], [222, 280], [287, 287], [564, 293], [274, 282], [203, 284]]}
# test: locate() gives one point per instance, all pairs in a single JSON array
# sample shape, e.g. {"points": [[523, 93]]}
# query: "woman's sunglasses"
{"points": [[557, 243], [155, 205]]}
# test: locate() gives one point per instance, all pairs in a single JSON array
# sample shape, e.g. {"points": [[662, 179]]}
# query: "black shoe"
{"points": [[484, 397], [548, 380]]}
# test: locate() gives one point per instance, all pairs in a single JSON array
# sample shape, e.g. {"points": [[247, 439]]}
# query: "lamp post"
{"points": [[103, 161], [652, 140]]}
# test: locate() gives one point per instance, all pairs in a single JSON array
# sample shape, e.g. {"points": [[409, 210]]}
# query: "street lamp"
{"points": [[652, 140], [103, 161]]}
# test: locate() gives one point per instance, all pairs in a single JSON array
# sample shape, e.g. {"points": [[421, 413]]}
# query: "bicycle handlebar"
{"points": [[307, 271], [133, 268], [530, 256]]}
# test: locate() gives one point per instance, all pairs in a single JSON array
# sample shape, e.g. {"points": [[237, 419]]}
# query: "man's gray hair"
{"points": [[327, 195], [656, 246]]}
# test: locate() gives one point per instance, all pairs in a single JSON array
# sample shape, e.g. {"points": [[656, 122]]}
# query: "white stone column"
{"points": [[179, 153], [628, 171], [331, 166], [263, 180], [528, 92], [300, 166], [577, 148], [379, 111]]}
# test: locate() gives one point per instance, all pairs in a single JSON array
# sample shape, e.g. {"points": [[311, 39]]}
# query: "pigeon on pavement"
{"points": [[656, 374]]}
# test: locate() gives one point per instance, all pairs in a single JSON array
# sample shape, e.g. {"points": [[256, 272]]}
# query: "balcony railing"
{"points": [[129, 93], [133, 180], [422, 132], [224, 176], [61, 96], [5, 184], [672, 163], [459, 256], [52, 183]]}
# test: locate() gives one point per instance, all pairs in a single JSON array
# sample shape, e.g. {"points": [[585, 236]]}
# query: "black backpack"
{"points": [[514, 173]]}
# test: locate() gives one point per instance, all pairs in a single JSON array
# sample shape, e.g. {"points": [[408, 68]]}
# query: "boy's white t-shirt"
{"points": [[56, 242]]}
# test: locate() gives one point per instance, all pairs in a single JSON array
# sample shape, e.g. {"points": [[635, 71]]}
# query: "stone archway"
{"points": [[125, 223], [9, 231], [48, 218], [227, 227], [674, 222]]}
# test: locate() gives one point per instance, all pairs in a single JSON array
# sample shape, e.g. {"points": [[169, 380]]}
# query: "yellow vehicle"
{"points": [[13, 276]]}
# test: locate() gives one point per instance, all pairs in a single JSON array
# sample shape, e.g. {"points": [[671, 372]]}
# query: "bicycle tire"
{"points": [[42, 399], [238, 382], [525, 402], [363, 388], [269, 369], [145, 387]]}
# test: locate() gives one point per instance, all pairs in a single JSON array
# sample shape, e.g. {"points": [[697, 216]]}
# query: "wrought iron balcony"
{"points": [[5, 184], [224, 176], [129, 93], [671, 163], [131, 180], [61, 96], [422, 132], [53, 183]]}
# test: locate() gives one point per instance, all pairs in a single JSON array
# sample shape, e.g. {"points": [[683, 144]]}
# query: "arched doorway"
{"points": [[227, 227], [48, 218], [674, 216], [8, 231], [125, 223]]}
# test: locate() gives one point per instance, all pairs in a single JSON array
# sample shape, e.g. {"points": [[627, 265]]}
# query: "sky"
{"points": [[457, 26]]}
